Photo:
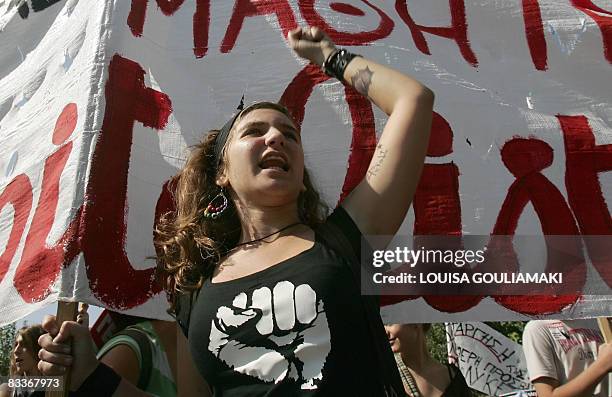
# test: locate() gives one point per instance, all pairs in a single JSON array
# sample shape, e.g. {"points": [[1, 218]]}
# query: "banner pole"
{"points": [[66, 311], [605, 328]]}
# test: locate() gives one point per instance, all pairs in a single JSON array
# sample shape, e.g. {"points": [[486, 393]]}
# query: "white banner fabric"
{"points": [[99, 101]]}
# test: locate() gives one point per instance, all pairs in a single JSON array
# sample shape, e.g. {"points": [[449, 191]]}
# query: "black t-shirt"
{"points": [[457, 387], [297, 328]]}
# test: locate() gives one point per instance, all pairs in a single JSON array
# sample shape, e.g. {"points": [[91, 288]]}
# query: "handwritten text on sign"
{"points": [[490, 362]]}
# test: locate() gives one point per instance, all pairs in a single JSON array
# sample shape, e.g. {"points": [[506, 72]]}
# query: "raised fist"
{"points": [[311, 43], [605, 355], [68, 344], [274, 335]]}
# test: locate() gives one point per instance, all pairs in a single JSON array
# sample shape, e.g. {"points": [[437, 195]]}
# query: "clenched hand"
{"points": [[311, 43]]}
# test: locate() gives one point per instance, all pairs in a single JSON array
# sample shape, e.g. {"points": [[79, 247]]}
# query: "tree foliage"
{"points": [[7, 338], [436, 343], [511, 329]]}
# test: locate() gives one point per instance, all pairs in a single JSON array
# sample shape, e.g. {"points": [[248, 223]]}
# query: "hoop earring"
{"points": [[216, 206]]}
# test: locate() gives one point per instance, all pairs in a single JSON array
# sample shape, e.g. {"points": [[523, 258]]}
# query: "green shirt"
{"points": [[161, 382]]}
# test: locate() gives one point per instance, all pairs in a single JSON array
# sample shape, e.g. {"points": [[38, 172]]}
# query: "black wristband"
{"points": [[336, 63], [102, 382]]}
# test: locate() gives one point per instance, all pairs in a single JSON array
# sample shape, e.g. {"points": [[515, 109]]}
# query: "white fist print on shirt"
{"points": [[274, 334]]}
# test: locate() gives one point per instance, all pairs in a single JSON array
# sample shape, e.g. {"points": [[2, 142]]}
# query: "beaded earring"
{"points": [[216, 206]]}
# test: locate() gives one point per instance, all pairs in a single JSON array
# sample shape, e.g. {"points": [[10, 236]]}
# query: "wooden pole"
{"points": [[605, 328], [66, 311]]}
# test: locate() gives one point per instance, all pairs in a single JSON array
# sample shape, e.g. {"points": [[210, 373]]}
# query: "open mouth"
{"points": [[274, 162]]}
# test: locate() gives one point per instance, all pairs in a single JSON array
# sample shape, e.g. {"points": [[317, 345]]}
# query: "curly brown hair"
{"points": [[189, 245]]}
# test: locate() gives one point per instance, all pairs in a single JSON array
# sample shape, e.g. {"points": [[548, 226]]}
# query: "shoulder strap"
{"points": [[335, 239], [146, 354]]}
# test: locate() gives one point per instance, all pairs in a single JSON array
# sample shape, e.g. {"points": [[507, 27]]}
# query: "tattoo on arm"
{"points": [[361, 80], [376, 163]]}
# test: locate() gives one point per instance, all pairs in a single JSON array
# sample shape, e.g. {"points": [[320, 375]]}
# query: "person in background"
{"points": [[25, 357], [24, 360], [144, 353], [567, 358], [421, 374], [25, 351]]}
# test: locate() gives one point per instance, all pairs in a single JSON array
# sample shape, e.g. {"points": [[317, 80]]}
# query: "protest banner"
{"points": [[100, 100], [490, 362]]}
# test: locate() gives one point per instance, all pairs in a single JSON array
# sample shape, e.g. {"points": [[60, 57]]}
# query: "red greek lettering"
{"points": [[363, 141], [584, 160], [525, 159], [534, 31], [250, 8], [457, 30], [603, 21], [313, 18], [437, 206], [17, 193], [40, 264], [201, 20], [104, 217]]}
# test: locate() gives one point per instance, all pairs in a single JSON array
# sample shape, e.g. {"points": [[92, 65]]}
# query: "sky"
{"points": [[37, 316]]}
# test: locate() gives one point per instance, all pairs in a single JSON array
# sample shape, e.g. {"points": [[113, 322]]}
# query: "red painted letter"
{"points": [[313, 18], [604, 22], [457, 31], [534, 30], [18, 193], [584, 161], [437, 207], [249, 8], [364, 135], [201, 20], [525, 159], [40, 264], [112, 278]]}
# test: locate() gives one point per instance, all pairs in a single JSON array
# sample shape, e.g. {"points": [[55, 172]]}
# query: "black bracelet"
{"points": [[102, 382], [336, 63]]}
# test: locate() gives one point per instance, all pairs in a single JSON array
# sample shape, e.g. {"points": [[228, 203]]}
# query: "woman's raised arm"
{"points": [[380, 202]]}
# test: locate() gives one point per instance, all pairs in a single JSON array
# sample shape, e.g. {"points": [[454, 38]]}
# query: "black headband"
{"points": [[222, 136], [221, 139]]}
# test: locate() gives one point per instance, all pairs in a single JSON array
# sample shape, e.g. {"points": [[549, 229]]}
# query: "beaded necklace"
{"points": [[407, 378], [267, 235]]}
